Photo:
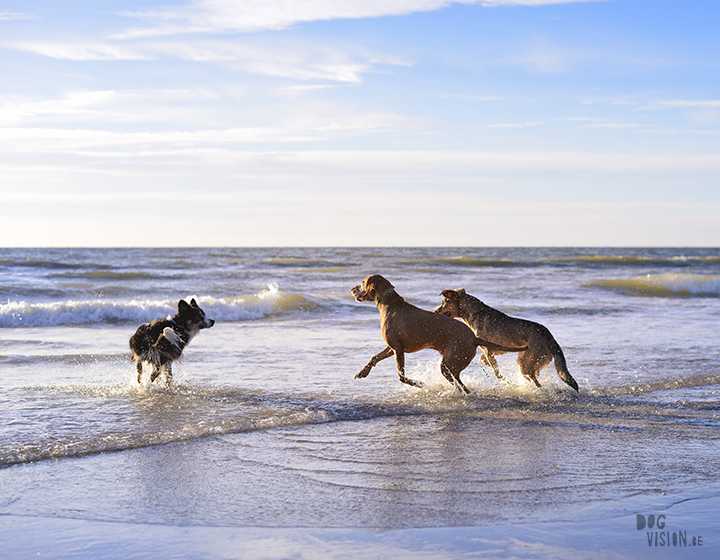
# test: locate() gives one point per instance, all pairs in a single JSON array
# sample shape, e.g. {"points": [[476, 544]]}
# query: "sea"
{"points": [[266, 446]]}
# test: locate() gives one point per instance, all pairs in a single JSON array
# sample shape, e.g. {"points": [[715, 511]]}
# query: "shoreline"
{"points": [[605, 537]]}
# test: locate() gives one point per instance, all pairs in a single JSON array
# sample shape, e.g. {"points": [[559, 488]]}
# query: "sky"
{"points": [[359, 123]]}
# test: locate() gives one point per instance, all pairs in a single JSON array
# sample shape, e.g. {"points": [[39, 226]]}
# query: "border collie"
{"points": [[160, 342]]}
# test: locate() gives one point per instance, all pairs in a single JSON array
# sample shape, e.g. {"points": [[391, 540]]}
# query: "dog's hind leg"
{"points": [[453, 377], [165, 368], [155, 372], [531, 363]]}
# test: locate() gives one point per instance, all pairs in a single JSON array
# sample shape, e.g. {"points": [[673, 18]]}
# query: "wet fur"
{"points": [[162, 341], [494, 325]]}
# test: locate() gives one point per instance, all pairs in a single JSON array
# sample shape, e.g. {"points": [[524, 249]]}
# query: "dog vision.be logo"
{"points": [[658, 534]]}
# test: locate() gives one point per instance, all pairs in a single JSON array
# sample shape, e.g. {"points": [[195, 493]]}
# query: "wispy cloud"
{"points": [[541, 56], [60, 140], [96, 140], [228, 16], [294, 91], [595, 122], [466, 97], [615, 125], [74, 105], [684, 104], [6, 15], [515, 125], [303, 60], [86, 50]]}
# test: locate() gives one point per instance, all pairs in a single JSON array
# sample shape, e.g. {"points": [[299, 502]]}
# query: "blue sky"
{"points": [[344, 122]]}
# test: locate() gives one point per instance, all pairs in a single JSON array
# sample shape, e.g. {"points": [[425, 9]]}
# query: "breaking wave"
{"points": [[269, 302], [664, 285]]}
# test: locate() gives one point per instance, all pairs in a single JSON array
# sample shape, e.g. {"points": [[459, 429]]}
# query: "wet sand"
{"points": [[533, 482]]}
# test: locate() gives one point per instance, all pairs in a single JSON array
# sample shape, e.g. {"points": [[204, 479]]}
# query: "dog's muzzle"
{"points": [[359, 294]]}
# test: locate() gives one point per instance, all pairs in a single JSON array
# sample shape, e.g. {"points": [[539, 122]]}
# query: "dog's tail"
{"points": [[170, 344], [497, 347], [561, 365]]}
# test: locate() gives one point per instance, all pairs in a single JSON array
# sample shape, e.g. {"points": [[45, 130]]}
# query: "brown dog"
{"points": [[490, 323], [406, 328]]}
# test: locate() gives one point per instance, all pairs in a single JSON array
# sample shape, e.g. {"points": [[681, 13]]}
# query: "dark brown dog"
{"points": [[406, 328], [490, 323]]}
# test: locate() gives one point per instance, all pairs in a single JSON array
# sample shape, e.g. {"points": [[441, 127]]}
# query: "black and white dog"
{"points": [[160, 342]]}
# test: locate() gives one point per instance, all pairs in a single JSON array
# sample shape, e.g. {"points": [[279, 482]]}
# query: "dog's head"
{"points": [[191, 317], [370, 288], [450, 305]]}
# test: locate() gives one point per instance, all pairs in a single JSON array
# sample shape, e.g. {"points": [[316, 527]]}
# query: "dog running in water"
{"points": [[491, 324], [406, 328], [162, 341]]}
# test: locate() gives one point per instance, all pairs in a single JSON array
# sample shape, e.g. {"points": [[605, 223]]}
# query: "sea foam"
{"points": [[269, 302], [665, 285]]}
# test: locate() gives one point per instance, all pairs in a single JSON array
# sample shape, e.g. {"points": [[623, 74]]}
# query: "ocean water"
{"points": [[265, 446]]}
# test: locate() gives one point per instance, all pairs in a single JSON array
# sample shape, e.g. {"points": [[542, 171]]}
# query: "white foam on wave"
{"points": [[268, 302], [688, 285]]}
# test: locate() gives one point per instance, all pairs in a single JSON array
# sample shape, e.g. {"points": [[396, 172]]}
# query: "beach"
{"points": [[265, 446]]}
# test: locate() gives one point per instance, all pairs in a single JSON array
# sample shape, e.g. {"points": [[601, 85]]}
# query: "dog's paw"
{"points": [[364, 372], [409, 381]]}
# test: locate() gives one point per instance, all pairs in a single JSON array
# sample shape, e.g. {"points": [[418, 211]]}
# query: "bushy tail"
{"points": [[561, 365]]}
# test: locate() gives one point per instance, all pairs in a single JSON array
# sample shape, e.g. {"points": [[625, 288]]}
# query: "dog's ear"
{"points": [[375, 279], [183, 305], [193, 303], [369, 283], [450, 294]]}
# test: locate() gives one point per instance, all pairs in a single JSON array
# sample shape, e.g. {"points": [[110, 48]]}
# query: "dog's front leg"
{"points": [[373, 362], [400, 361]]}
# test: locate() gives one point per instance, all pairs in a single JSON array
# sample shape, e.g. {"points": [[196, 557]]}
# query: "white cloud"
{"points": [[92, 50], [541, 56], [278, 217], [699, 112], [73, 105], [615, 125], [302, 60], [245, 197], [294, 91], [348, 166], [59, 140], [228, 16], [515, 125], [6, 15], [466, 97], [298, 129], [685, 104]]}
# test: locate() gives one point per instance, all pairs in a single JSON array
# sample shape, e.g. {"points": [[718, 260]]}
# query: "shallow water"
{"points": [[266, 427]]}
